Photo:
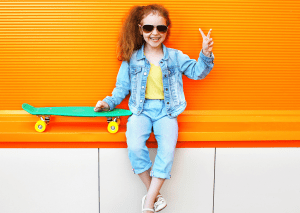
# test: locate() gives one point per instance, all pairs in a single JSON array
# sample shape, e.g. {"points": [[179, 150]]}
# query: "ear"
{"points": [[140, 30]]}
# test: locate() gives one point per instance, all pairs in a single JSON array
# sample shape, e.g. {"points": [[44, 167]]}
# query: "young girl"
{"points": [[153, 75]]}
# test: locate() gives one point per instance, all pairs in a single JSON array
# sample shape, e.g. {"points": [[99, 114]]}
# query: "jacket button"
{"points": [[141, 101], [143, 87], [169, 72], [165, 76], [145, 73], [167, 102], [166, 89]]}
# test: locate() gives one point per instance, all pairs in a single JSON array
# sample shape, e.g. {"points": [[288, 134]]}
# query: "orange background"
{"points": [[63, 53]]}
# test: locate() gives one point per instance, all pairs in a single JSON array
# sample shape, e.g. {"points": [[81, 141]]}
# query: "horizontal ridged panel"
{"points": [[64, 53]]}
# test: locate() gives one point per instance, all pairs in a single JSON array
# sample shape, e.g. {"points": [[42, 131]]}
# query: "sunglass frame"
{"points": [[147, 31]]}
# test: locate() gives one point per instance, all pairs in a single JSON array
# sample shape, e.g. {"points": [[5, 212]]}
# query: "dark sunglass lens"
{"points": [[148, 28], [162, 28]]}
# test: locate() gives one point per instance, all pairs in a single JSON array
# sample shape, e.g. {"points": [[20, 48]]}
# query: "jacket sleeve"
{"points": [[195, 69], [122, 87]]}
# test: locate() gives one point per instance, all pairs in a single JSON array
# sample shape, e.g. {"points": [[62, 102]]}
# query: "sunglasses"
{"points": [[147, 28]]}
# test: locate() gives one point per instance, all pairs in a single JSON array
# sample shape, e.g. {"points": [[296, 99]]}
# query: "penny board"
{"points": [[74, 111]]}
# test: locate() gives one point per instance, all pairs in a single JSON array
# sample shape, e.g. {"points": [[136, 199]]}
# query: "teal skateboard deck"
{"points": [[44, 113]]}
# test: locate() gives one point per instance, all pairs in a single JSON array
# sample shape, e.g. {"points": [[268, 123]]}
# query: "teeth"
{"points": [[154, 39]]}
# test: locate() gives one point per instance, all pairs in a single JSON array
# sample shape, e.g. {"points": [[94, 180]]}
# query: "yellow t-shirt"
{"points": [[154, 88]]}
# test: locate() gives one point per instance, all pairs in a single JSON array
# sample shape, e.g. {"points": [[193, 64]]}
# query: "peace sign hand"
{"points": [[207, 44]]}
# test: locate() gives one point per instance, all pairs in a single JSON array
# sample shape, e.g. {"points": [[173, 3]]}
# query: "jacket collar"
{"points": [[140, 54]]}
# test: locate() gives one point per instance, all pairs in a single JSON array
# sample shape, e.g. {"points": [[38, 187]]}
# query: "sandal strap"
{"points": [[148, 210], [159, 195]]}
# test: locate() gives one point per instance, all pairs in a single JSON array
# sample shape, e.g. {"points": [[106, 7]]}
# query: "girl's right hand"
{"points": [[101, 106]]}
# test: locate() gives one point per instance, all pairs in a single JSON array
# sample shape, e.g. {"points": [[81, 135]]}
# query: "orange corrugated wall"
{"points": [[63, 53]]}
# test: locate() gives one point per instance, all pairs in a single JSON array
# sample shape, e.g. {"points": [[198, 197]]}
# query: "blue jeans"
{"points": [[165, 129]]}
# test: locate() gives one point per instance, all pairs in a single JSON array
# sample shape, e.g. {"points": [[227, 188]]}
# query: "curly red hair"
{"points": [[130, 38]]}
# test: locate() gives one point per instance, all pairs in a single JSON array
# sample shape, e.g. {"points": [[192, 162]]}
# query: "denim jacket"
{"points": [[132, 77]]}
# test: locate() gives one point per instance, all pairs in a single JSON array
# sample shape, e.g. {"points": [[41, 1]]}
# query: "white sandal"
{"points": [[152, 210], [160, 204]]}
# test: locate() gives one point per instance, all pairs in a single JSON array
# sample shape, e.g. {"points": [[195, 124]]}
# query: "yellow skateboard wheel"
{"points": [[40, 126], [113, 127]]}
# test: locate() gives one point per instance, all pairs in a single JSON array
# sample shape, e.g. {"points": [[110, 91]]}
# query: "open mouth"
{"points": [[154, 39]]}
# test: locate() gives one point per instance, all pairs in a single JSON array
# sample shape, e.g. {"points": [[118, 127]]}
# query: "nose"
{"points": [[155, 31]]}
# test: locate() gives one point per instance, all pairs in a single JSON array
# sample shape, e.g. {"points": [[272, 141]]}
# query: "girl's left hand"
{"points": [[207, 44]]}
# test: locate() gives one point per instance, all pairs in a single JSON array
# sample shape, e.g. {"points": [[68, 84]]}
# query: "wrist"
{"points": [[207, 54]]}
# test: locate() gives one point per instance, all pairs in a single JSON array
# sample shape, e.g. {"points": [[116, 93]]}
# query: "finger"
{"points": [[99, 104], [97, 108], [203, 35], [211, 44], [208, 35], [208, 42]]}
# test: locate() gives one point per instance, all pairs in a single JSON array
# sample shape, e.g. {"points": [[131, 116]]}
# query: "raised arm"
{"points": [[198, 69]]}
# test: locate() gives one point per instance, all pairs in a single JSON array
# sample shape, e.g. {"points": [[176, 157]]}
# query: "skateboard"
{"points": [[44, 113]]}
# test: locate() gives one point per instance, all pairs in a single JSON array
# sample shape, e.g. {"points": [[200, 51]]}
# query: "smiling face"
{"points": [[153, 19]]}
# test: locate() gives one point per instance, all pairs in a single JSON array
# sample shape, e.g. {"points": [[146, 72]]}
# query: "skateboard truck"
{"points": [[116, 119], [44, 118]]}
